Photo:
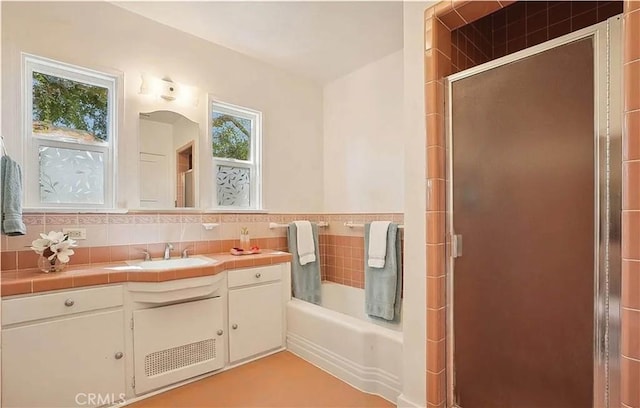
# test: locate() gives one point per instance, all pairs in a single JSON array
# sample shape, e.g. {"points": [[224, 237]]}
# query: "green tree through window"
{"points": [[64, 106], [231, 136]]}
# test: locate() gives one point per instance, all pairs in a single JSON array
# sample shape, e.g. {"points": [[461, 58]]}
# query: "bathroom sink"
{"points": [[172, 263]]}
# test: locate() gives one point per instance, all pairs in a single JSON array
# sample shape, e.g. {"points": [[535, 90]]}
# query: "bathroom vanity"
{"points": [[106, 344]]}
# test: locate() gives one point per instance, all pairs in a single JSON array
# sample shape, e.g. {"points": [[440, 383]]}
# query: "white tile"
{"points": [[121, 234]]}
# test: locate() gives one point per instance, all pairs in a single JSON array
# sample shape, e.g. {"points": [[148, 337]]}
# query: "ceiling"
{"points": [[318, 40]]}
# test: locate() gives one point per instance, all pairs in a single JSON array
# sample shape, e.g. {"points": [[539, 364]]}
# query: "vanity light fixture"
{"points": [[168, 90]]}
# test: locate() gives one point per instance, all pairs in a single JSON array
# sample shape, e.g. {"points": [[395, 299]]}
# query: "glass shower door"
{"points": [[524, 201]]}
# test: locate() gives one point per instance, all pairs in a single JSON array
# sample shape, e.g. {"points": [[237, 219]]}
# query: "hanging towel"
{"points": [[11, 176], [305, 242], [305, 279], [378, 244], [383, 286]]}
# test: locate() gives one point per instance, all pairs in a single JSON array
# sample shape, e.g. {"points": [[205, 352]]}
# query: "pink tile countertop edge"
{"points": [[33, 281]]}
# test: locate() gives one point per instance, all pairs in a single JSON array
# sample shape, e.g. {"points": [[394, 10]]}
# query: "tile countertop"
{"points": [[33, 281]]}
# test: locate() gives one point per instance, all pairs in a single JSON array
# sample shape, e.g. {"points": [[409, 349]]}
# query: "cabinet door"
{"points": [[64, 363], [176, 342], [255, 320]]}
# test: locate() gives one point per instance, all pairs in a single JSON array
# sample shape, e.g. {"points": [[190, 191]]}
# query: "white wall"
{"points": [[363, 143], [415, 307], [107, 38]]}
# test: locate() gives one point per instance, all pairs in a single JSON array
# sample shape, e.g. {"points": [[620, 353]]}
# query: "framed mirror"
{"points": [[168, 165]]}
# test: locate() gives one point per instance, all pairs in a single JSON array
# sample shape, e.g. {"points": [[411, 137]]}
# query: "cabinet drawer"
{"points": [[250, 276], [59, 304]]}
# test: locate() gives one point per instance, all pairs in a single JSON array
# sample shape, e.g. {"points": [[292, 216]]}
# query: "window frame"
{"points": [[33, 63], [254, 164]]}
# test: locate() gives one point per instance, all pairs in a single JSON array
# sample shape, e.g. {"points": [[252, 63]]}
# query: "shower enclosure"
{"points": [[534, 159]]}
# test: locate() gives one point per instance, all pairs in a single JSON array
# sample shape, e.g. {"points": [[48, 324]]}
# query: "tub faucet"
{"points": [[167, 251]]}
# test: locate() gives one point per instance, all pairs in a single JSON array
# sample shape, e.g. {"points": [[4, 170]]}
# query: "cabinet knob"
{"points": [[69, 302], [234, 326], [119, 355], [258, 275], [220, 332]]}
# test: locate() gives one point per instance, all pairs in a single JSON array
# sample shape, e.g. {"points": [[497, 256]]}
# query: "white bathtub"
{"points": [[339, 338]]}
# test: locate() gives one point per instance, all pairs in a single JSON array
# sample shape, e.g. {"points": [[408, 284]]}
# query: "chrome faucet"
{"points": [[167, 251]]}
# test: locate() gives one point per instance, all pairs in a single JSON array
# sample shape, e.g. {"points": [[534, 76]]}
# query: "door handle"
{"points": [[456, 246]]}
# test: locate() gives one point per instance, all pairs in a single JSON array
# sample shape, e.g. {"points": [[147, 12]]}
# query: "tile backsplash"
{"points": [[118, 237]]}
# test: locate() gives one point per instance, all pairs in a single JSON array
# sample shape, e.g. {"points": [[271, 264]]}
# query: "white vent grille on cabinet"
{"points": [[177, 357]]}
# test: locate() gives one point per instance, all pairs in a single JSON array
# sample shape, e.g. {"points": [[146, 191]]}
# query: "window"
{"points": [[70, 116], [236, 152]]}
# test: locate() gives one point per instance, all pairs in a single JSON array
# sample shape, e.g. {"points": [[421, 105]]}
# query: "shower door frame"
{"points": [[608, 120]]}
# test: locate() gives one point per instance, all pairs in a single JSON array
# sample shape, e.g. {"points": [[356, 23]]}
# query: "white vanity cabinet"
{"points": [[257, 299], [177, 330], [63, 349]]}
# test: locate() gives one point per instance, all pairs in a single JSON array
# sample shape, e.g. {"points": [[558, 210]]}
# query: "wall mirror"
{"points": [[168, 165]]}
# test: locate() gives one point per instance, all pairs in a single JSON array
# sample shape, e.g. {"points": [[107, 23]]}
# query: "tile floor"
{"points": [[280, 380]]}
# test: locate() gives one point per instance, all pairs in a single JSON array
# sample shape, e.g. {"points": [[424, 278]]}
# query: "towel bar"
{"points": [[273, 225], [354, 225]]}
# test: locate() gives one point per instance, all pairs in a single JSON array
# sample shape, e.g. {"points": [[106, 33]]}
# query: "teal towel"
{"points": [[11, 177], [383, 286], [305, 279]]}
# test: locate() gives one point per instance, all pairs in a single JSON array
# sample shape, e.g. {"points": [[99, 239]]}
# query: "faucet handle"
{"points": [[185, 252], [147, 255]]}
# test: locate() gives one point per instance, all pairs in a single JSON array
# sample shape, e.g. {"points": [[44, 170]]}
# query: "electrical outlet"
{"points": [[75, 233]]}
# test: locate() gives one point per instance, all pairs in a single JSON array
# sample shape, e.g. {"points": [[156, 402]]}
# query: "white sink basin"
{"points": [[172, 263]]}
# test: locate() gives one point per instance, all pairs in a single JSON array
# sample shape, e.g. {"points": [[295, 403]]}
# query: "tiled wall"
{"points": [[472, 44], [118, 237], [630, 363], [343, 259], [521, 25], [342, 248], [440, 21]]}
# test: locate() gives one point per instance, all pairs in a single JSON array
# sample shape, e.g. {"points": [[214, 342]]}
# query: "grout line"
{"points": [[628, 13], [630, 358], [460, 15], [439, 372]]}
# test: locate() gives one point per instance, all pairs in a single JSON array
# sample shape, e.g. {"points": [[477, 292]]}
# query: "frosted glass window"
{"points": [[71, 176], [234, 186], [236, 143], [70, 135]]}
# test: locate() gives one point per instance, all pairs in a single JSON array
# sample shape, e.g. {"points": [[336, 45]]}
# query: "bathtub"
{"points": [[339, 338]]}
